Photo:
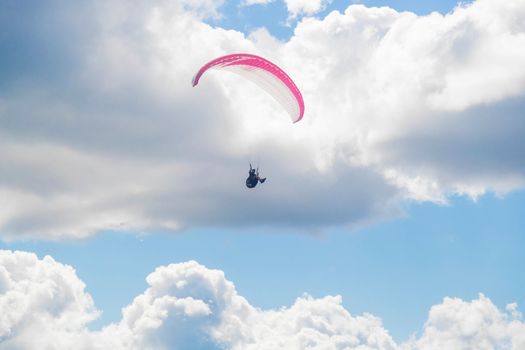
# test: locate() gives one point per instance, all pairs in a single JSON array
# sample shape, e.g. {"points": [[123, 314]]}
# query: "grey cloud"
{"points": [[347, 197], [115, 137], [124, 142], [484, 141], [41, 41]]}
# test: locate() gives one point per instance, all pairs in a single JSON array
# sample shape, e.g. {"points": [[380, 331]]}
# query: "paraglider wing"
{"points": [[264, 73]]}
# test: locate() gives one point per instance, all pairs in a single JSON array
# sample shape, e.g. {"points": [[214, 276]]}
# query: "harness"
{"points": [[251, 181]]}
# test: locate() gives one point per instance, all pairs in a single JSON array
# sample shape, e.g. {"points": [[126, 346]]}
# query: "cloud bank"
{"points": [[100, 129], [44, 305]]}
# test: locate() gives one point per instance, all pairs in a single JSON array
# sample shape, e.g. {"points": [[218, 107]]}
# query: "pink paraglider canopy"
{"points": [[265, 74]]}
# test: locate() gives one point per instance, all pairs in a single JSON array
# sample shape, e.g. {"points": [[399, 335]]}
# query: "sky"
{"points": [[392, 217]]}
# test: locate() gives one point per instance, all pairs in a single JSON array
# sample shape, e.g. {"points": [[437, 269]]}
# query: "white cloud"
{"points": [[479, 324], [396, 96], [41, 302], [307, 7], [104, 131], [188, 305], [44, 305], [256, 2]]}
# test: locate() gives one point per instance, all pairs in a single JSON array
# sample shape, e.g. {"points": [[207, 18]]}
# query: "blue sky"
{"points": [[408, 208]]}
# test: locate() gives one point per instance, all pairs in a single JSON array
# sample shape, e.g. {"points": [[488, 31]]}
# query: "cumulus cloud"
{"points": [[186, 305], [479, 324], [42, 302], [429, 100], [100, 129]]}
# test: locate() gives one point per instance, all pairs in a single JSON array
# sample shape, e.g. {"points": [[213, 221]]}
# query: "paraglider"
{"points": [[266, 75], [253, 178]]}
